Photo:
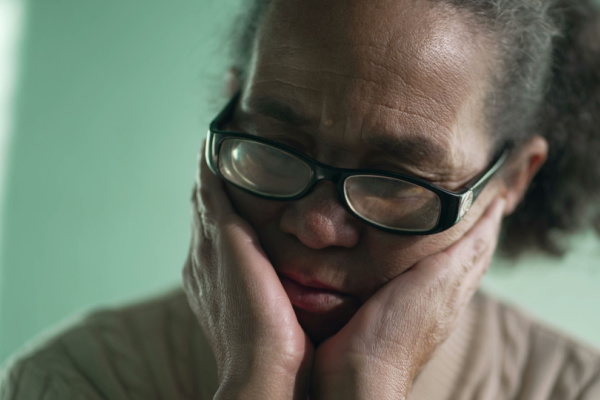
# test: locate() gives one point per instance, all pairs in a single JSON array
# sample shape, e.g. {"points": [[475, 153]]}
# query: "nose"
{"points": [[320, 220]]}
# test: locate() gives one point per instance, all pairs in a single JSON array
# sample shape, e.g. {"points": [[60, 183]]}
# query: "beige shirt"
{"points": [[156, 350]]}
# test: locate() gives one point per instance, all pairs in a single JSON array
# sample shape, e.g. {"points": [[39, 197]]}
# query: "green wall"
{"points": [[111, 106]]}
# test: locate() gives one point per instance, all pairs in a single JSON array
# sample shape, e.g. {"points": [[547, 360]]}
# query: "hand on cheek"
{"points": [[379, 352], [260, 349]]}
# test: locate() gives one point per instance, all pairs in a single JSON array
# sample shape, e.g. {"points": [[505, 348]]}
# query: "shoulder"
{"points": [[532, 360], [152, 349]]}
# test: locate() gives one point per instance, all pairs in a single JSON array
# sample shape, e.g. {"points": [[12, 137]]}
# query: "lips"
{"points": [[313, 296], [312, 299], [321, 310]]}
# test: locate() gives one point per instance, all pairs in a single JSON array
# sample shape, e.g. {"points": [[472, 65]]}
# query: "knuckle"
{"points": [[208, 226], [479, 248], [190, 285], [197, 203], [205, 198]]}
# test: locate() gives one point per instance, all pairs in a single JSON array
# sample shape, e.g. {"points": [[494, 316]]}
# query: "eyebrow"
{"points": [[412, 148], [278, 110]]}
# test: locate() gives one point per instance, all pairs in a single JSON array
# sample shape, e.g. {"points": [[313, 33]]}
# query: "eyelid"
{"points": [[383, 165], [429, 173], [284, 140]]}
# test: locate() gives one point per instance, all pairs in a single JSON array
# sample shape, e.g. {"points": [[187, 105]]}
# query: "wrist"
{"points": [[363, 380], [269, 383]]}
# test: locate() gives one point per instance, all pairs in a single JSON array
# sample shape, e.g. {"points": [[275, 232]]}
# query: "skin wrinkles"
{"points": [[416, 86], [450, 125], [417, 92], [283, 82], [375, 77], [421, 104], [434, 41], [411, 151], [251, 121], [390, 60], [377, 48], [256, 107]]}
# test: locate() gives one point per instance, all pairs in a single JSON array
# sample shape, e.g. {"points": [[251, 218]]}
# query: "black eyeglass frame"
{"points": [[453, 204]]}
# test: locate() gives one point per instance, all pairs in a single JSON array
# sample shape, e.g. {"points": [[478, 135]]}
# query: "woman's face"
{"points": [[389, 85]]}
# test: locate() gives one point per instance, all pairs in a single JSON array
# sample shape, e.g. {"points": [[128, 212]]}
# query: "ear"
{"points": [[232, 82], [526, 162]]}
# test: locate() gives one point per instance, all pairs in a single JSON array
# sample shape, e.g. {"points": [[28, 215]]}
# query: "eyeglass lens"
{"points": [[385, 201], [392, 203], [262, 168]]}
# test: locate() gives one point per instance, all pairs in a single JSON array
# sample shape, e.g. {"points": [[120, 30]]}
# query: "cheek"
{"points": [[394, 254], [259, 212]]}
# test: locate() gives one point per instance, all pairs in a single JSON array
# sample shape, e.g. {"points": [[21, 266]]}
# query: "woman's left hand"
{"points": [[381, 349]]}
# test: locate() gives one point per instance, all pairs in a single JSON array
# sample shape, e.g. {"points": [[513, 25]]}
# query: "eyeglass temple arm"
{"points": [[477, 187]]}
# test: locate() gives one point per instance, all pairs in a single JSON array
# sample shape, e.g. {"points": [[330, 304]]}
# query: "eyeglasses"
{"points": [[386, 200]]}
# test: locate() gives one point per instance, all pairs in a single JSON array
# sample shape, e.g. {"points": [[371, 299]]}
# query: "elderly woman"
{"points": [[349, 199]]}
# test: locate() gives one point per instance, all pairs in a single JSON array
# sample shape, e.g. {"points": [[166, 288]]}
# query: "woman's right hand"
{"points": [[260, 349]]}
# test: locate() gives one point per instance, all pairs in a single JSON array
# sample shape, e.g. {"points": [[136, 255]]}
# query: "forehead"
{"points": [[395, 67]]}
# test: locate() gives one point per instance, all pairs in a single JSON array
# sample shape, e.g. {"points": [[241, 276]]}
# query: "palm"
{"points": [[399, 327], [376, 326]]}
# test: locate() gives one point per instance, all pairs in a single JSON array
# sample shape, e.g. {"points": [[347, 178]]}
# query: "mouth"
{"points": [[313, 297], [321, 310]]}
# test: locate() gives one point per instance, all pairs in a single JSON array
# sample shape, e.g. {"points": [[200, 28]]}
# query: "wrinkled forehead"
{"points": [[416, 66], [415, 40]]}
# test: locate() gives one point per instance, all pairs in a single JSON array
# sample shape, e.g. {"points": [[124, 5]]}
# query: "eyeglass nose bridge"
{"points": [[320, 173], [326, 173], [331, 174]]}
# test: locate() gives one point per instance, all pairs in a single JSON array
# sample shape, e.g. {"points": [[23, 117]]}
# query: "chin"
{"points": [[319, 327]]}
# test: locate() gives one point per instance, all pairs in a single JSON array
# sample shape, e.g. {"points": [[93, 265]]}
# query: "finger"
{"points": [[210, 193], [453, 263], [455, 273], [190, 283], [472, 255], [481, 237], [216, 216]]}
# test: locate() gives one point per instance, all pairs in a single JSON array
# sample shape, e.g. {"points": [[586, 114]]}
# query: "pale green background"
{"points": [[111, 106]]}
